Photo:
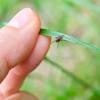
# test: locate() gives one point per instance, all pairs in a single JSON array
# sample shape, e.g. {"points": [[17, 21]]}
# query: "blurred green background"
{"points": [[79, 18]]}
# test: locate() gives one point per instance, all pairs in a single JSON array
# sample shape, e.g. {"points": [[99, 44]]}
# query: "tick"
{"points": [[59, 38]]}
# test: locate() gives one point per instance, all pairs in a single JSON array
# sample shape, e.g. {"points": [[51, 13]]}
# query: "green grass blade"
{"points": [[54, 34], [74, 77], [69, 38]]}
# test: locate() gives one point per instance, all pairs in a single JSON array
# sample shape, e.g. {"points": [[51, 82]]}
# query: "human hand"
{"points": [[22, 49]]}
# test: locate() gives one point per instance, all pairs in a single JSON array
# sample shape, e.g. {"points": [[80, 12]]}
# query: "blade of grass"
{"points": [[69, 38], [54, 34], [68, 73]]}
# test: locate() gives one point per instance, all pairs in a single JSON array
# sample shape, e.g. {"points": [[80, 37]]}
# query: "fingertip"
{"points": [[39, 52], [24, 17], [46, 40]]}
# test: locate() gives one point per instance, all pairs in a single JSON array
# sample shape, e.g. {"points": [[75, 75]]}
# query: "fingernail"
{"points": [[22, 18]]}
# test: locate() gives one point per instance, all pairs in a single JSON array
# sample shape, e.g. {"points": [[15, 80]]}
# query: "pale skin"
{"points": [[22, 49]]}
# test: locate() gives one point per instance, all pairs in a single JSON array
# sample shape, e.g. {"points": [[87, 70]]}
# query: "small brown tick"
{"points": [[59, 38]]}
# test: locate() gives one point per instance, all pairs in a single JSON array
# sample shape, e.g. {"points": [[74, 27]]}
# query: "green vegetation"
{"points": [[74, 73]]}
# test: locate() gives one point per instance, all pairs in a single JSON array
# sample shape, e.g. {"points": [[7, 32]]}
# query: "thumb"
{"points": [[17, 39]]}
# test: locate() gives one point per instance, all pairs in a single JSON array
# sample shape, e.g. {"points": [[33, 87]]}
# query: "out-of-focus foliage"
{"points": [[80, 18]]}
